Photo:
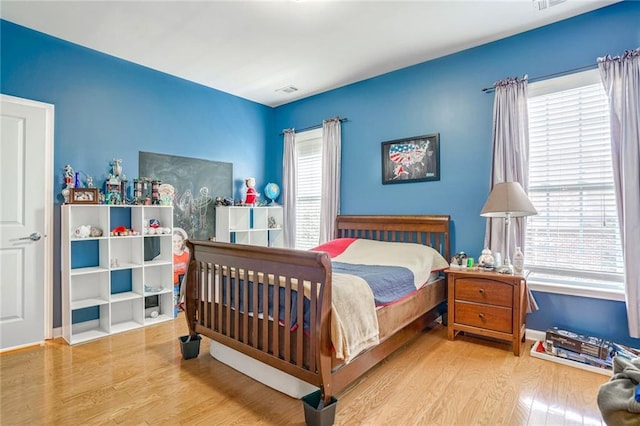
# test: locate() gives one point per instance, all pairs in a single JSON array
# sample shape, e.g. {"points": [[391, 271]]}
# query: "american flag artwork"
{"points": [[411, 159], [405, 155]]}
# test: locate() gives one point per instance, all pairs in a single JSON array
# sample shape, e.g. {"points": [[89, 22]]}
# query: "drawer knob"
{"points": [[481, 291], [481, 316]]}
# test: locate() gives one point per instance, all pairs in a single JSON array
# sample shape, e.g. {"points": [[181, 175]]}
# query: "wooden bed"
{"points": [[307, 355]]}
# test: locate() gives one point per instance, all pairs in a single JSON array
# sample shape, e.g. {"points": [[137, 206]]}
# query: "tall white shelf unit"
{"points": [[104, 278], [250, 225]]}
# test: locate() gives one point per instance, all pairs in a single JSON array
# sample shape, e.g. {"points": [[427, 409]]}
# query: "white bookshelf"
{"points": [[103, 278], [250, 225]]}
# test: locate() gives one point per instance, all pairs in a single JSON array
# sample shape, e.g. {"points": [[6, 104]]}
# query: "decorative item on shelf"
{"points": [[518, 261], [68, 183], [224, 201], [123, 190], [90, 182], [151, 289], [272, 191], [86, 231], [117, 172], [139, 190], [113, 198], [116, 185], [154, 228], [486, 260], [507, 200], [83, 196], [272, 222], [459, 260], [497, 258], [155, 192], [251, 196], [167, 193], [122, 231], [117, 167], [68, 176], [82, 231]]}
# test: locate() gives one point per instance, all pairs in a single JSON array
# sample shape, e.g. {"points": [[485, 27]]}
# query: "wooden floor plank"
{"points": [[139, 377]]}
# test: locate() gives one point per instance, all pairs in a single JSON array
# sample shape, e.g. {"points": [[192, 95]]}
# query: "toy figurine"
{"points": [[252, 196], [117, 167], [68, 182]]}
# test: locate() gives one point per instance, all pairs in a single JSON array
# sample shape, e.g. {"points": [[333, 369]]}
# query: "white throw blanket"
{"points": [[354, 323]]}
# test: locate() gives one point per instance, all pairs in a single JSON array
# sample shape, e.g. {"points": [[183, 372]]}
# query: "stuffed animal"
{"points": [[252, 195]]}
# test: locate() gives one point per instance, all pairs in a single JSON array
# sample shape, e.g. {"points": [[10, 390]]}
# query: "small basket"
{"points": [[315, 415], [190, 346]]}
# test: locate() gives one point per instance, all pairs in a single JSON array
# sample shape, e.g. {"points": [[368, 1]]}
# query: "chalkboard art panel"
{"points": [[196, 184]]}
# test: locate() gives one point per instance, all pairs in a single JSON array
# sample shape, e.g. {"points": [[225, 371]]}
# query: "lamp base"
{"points": [[506, 269]]}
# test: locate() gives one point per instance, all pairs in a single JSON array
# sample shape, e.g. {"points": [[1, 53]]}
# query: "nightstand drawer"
{"points": [[488, 317], [484, 291]]}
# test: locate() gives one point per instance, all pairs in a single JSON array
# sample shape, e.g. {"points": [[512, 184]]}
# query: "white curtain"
{"points": [[330, 198], [289, 187], [510, 157], [621, 79]]}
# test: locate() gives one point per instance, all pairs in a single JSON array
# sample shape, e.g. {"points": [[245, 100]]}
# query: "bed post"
{"points": [[325, 334], [190, 295], [320, 406]]}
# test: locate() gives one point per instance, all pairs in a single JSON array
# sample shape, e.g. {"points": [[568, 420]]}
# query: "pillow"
{"points": [[334, 247], [420, 259]]}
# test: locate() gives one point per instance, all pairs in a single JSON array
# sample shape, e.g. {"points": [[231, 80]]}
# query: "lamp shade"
{"points": [[508, 197]]}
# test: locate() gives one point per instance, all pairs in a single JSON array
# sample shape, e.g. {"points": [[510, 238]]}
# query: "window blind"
{"points": [[309, 183], [575, 238]]}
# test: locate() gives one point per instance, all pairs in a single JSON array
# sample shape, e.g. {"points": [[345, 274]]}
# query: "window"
{"points": [[575, 239], [309, 183]]}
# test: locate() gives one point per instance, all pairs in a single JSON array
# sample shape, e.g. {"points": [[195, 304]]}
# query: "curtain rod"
{"points": [[317, 126], [544, 77]]}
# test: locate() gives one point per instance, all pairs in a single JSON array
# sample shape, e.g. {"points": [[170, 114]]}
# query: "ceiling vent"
{"points": [[543, 4], [287, 89]]}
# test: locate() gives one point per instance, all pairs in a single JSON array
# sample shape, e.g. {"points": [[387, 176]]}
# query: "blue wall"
{"points": [[444, 96], [107, 108]]}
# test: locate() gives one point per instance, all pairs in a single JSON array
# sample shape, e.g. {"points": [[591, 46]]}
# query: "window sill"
{"points": [[574, 290]]}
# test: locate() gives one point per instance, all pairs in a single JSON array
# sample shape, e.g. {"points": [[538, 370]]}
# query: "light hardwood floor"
{"points": [[139, 377]]}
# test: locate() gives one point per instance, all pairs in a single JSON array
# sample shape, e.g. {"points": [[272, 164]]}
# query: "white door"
{"points": [[26, 203]]}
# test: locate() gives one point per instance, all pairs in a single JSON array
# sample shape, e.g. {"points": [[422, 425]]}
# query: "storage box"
{"points": [[579, 343]]}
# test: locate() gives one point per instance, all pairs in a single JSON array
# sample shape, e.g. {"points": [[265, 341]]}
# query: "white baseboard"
{"points": [[536, 334]]}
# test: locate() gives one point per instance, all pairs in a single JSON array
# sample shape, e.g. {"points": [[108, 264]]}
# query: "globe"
{"points": [[272, 191]]}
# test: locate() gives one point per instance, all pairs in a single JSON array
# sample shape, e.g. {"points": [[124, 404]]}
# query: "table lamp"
{"points": [[507, 200]]}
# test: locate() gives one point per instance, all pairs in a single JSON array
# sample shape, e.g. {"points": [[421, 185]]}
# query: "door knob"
{"points": [[33, 237]]}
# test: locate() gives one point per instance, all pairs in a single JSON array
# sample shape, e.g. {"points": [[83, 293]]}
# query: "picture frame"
{"points": [[83, 196], [414, 159]]}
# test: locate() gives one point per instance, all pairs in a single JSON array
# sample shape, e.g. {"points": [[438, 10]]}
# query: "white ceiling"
{"points": [[252, 48]]}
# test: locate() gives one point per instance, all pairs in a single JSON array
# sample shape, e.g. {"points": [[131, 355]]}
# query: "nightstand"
{"points": [[487, 304]]}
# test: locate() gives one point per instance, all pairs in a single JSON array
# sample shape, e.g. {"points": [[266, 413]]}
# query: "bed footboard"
{"points": [[246, 297]]}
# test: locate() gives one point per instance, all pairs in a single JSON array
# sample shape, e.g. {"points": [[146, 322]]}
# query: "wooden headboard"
{"points": [[431, 230]]}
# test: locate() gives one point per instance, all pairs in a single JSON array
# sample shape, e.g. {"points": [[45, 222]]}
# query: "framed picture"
{"points": [[413, 159], [83, 196]]}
